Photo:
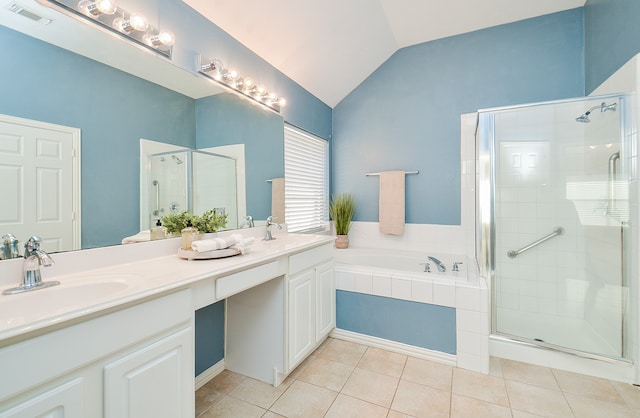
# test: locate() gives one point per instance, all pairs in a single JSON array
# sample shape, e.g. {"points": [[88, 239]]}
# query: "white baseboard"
{"points": [[209, 374], [409, 350]]}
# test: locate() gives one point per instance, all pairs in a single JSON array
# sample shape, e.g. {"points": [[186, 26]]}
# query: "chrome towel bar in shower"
{"points": [[556, 231]]}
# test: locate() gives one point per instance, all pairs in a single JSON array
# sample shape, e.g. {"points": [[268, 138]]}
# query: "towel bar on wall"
{"points": [[406, 172]]}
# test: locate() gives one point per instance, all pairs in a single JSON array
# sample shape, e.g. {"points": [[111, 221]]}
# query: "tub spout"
{"points": [[438, 263]]}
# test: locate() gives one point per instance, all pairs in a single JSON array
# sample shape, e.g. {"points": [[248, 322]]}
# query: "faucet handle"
{"points": [[456, 265], [427, 267], [32, 244]]}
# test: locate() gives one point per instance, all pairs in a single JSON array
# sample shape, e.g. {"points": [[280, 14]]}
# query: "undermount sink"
{"points": [[69, 295]]}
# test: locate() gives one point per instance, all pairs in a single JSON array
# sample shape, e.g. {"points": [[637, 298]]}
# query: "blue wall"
{"points": [[226, 119], [113, 110], [419, 324], [209, 339], [612, 37], [406, 115]]}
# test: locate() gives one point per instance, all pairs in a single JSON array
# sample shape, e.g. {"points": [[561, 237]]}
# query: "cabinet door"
{"points": [[325, 301], [63, 401], [302, 335], [154, 381]]}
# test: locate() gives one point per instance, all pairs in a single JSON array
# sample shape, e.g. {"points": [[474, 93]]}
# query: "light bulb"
{"points": [[97, 8], [248, 84], [282, 102], [135, 22], [162, 38]]}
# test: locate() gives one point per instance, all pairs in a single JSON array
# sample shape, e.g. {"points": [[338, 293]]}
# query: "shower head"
{"points": [[178, 160], [584, 118]]}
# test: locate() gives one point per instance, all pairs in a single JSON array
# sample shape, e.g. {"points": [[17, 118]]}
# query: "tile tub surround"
{"points": [[344, 379], [470, 299]]}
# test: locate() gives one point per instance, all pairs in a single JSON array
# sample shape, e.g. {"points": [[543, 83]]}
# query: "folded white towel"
{"points": [[141, 236], [215, 243]]}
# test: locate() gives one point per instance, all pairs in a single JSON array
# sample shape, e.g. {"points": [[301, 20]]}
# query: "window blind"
{"points": [[306, 190]]}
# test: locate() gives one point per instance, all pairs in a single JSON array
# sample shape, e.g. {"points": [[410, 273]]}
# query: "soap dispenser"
{"points": [[189, 234], [159, 231]]}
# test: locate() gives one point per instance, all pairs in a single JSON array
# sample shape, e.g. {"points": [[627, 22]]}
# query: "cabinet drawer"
{"points": [[310, 258], [243, 280]]}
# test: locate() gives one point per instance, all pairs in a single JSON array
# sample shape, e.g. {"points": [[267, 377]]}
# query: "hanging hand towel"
{"points": [[277, 199], [391, 210]]}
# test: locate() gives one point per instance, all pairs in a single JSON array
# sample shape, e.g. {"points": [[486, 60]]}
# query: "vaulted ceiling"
{"points": [[330, 46]]}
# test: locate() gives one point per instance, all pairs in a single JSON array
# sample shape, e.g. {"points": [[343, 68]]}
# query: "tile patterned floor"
{"points": [[347, 380]]}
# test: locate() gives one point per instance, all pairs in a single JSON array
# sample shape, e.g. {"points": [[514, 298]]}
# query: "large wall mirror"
{"points": [[113, 111]]}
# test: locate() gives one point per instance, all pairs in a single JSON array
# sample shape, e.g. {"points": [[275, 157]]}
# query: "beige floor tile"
{"points": [[529, 374], [305, 363], [383, 362], [371, 387], [205, 397], [322, 346], [588, 386], [519, 414], [538, 401], [396, 414], [346, 406], [327, 374], [270, 414], [304, 400], [628, 392], [343, 351], [428, 373], [591, 408], [225, 382], [232, 407], [479, 386], [463, 407], [421, 401], [259, 393]]}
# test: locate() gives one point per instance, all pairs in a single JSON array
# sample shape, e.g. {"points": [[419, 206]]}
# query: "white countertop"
{"points": [[91, 291]]}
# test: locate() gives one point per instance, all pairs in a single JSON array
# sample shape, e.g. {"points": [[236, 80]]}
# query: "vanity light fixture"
{"points": [[215, 70], [108, 15]]}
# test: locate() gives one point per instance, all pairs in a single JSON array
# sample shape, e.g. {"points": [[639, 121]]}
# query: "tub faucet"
{"points": [[438, 263], [34, 257], [268, 236]]}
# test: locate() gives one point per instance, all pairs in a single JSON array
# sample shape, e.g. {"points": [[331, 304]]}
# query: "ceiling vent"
{"points": [[29, 14]]}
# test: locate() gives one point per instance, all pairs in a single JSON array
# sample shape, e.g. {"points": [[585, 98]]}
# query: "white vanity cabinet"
{"points": [[133, 362], [311, 294]]}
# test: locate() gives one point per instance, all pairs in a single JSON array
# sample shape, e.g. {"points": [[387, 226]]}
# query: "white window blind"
{"points": [[306, 189]]}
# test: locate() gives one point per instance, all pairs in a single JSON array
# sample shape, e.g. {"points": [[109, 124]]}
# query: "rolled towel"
{"points": [[141, 236], [214, 243]]}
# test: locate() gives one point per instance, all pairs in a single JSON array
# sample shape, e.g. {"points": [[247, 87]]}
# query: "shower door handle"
{"points": [[556, 231], [157, 185]]}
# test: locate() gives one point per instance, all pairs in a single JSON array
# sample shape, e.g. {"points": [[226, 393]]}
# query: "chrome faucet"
{"points": [[267, 235], [34, 257], [438, 263], [9, 247], [248, 221]]}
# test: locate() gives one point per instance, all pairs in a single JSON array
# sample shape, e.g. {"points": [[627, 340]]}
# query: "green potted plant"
{"points": [[341, 210], [209, 221]]}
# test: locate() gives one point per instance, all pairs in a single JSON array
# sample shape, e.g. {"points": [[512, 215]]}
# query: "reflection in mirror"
{"points": [[192, 181], [113, 110]]}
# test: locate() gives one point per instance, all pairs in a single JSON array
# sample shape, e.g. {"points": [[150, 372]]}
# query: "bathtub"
{"points": [[395, 274], [409, 264]]}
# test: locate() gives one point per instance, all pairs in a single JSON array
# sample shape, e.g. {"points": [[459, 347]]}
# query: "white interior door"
{"points": [[40, 172]]}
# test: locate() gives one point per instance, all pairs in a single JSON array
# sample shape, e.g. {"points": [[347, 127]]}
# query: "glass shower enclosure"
{"points": [[193, 181], [553, 224]]}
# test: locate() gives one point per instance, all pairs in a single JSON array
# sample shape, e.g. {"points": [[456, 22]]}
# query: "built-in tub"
{"points": [[373, 278], [404, 263]]}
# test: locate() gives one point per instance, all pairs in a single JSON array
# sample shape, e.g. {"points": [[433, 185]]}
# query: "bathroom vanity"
{"points": [[117, 340]]}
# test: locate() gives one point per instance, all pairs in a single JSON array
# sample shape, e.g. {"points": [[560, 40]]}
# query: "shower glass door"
{"points": [[554, 210]]}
